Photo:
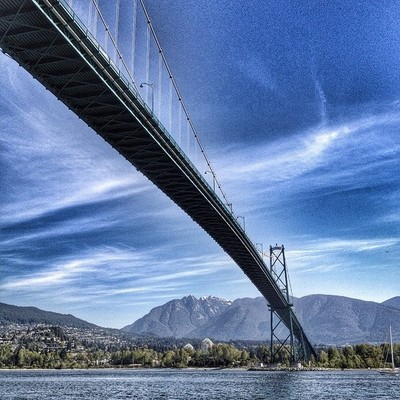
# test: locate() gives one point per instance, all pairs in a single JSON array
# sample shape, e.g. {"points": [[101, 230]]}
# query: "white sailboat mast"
{"points": [[391, 345]]}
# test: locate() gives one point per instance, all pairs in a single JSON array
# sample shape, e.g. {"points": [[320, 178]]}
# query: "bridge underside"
{"points": [[43, 37]]}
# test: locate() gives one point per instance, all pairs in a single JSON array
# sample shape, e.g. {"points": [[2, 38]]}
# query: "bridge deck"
{"points": [[45, 38]]}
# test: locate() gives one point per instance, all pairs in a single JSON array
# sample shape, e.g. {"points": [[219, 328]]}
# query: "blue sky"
{"points": [[297, 105]]}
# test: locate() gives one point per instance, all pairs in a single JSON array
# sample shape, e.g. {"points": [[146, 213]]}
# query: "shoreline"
{"points": [[250, 369]]}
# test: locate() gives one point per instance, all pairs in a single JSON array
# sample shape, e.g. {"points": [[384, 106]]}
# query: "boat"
{"points": [[393, 370]]}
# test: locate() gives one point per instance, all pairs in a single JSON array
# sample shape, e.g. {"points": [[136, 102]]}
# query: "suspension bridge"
{"points": [[86, 67]]}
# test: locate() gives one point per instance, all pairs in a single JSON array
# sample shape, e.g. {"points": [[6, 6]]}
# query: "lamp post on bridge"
{"points": [[244, 222], [262, 249], [213, 176], [150, 85]]}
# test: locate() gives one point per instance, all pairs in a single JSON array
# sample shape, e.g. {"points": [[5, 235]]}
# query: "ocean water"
{"points": [[195, 384]]}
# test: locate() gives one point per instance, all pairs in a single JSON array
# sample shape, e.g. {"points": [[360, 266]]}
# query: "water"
{"points": [[196, 384]]}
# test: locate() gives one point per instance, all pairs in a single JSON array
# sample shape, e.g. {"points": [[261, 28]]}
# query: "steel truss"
{"points": [[294, 345]]}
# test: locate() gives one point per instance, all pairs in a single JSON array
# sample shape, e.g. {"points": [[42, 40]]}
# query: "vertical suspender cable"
{"points": [[133, 44], [89, 16], [170, 105], [116, 30], [159, 85], [148, 36], [187, 135], [180, 125], [94, 18], [107, 33]]}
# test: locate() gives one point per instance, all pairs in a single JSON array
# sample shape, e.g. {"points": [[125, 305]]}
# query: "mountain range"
{"points": [[327, 319], [10, 314]]}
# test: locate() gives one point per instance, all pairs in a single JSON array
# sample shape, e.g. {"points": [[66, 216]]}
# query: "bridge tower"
{"points": [[289, 343]]}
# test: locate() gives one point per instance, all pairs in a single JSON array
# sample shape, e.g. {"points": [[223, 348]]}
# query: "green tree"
{"points": [[168, 359], [6, 356]]}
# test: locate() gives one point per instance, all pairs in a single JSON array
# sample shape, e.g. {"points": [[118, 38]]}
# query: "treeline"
{"points": [[358, 356], [220, 355]]}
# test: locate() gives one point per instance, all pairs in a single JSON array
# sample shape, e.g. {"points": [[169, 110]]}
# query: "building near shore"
{"points": [[188, 346], [206, 344]]}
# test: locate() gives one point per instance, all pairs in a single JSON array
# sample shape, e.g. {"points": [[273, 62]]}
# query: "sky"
{"points": [[297, 104]]}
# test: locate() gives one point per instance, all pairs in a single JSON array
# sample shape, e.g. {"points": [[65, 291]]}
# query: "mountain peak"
{"points": [[179, 317], [393, 302], [213, 298]]}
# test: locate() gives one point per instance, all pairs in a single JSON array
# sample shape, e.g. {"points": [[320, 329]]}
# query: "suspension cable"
{"points": [[185, 110], [172, 79]]}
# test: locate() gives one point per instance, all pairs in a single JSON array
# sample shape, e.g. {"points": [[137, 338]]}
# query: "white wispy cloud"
{"points": [[89, 194], [339, 244], [292, 157], [179, 275], [331, 254], [52, 278], [356, 245], [120, 270], [356, 154], [65, 272]]}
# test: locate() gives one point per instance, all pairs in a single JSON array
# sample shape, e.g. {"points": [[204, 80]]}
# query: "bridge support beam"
{"points": [[283, 338], [281, 344]]}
